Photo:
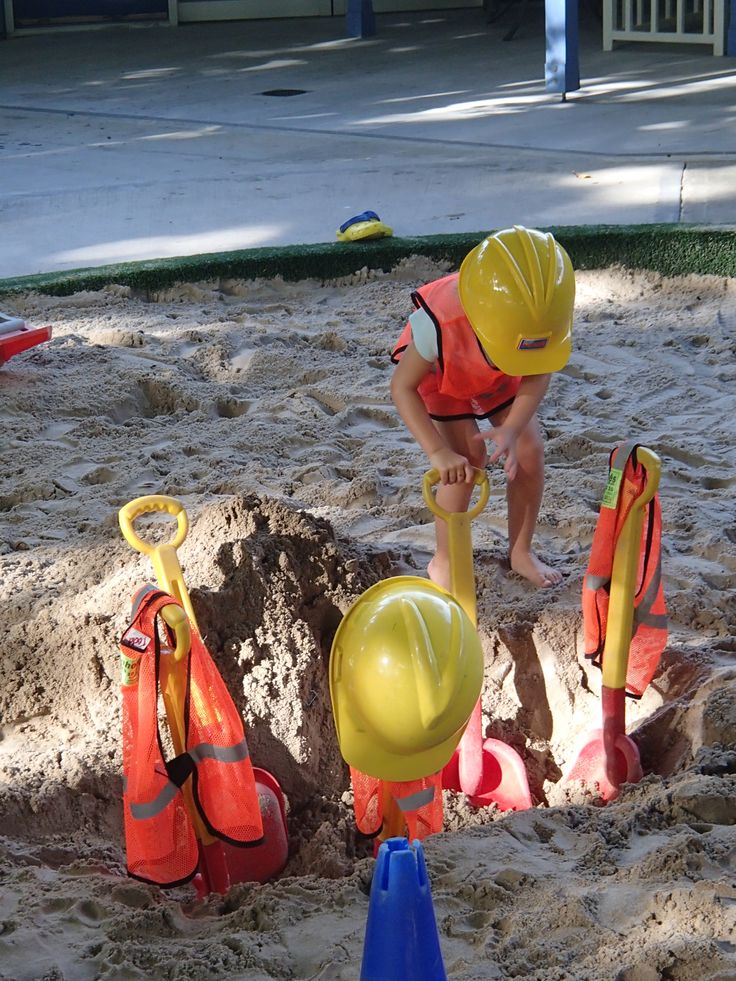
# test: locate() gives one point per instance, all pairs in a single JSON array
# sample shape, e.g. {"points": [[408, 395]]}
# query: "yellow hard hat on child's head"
{"points": [[406, 670], [517, 289]]}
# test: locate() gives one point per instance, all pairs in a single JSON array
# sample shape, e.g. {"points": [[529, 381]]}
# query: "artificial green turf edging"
{"points": [[672, 250]]}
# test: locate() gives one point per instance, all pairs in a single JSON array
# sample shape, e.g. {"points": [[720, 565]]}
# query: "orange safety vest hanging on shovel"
{"points": [[419, 803], [626, 481], [161, 844]]}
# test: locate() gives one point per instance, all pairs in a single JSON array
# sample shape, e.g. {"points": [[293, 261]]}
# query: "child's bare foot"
{"points": [[439, 573], [526, 564]]}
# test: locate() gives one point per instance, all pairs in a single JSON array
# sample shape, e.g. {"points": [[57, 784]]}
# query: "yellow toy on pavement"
{"points": [[366, 225]]}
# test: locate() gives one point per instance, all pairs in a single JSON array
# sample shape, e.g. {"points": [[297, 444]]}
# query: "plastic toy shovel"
{"points": [[17, 336], [221, 865], [487, 771], [610, 757]]}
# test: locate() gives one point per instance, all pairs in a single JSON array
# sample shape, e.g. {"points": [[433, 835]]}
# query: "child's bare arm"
{"points": [[407, 375], [531, 392]]}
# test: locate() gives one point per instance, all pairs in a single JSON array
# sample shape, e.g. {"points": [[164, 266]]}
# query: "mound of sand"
{"points": [[263, 406]]}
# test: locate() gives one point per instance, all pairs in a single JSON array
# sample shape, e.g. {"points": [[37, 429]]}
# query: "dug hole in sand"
{"points": [[263, 406]]}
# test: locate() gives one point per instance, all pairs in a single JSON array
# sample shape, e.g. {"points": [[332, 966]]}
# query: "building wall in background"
{"points": [[28, 15]]}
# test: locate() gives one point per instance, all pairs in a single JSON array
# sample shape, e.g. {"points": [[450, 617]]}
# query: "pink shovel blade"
{"points": [[606, 771], [464, 772], [487, 771], [264, 861], [504, 780]]}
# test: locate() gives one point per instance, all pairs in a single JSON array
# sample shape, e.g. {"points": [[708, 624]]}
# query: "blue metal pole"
{"points": [[731, 36], [359, 18], [561, 68]]}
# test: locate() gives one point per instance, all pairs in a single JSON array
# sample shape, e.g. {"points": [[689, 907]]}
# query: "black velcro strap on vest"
{"points": [[180, 768]]}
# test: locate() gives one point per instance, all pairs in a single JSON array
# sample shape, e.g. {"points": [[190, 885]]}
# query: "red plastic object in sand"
{"points": [[17, 336], [262, 862], [213, 871], [609, 757]]}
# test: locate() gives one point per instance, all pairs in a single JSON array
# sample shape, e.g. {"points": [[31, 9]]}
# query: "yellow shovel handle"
{"points": [[432, 477], [653, 466], [624, 576], [163, 557], [151, 504]]}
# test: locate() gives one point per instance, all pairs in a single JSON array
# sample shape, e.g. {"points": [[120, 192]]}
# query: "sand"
{"points": [[264, 408]]}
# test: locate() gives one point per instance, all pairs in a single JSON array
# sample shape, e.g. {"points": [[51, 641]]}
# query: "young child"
{"points": [[482, 344]]}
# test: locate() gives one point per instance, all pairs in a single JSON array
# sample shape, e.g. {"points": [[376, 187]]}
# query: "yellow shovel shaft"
{"points": [[462, 575], [460, 540], [171, 579], [394, 825], [624, 578]]}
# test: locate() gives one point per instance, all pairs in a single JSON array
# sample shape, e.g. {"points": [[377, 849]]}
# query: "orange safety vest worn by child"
{"points": [[464, 384], [627, 480], [161, 845]]}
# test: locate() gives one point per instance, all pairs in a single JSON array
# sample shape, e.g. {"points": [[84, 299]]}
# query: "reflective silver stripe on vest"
{"points": [[623, 452], [140, 596], [642, 613], [596, 582], [205, 751], [141, 812], [414, 801], [223, 754]]}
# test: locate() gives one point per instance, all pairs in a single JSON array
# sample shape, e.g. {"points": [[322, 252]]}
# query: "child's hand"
{"points": [[505, 440], [453, 468]]}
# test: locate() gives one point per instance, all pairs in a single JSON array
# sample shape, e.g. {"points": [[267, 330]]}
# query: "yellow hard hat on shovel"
{"points": [[406, 669]]}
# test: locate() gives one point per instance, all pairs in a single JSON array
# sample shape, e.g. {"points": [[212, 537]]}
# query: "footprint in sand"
{"points": [[362, 421], [153, 398], [232, 408], [118, 338]]}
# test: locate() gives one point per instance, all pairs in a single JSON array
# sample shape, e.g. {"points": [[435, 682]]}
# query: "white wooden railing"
{"points": [[672, 21]]}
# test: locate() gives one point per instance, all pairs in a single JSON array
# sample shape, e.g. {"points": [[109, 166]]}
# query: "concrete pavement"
{"points": [[137, 143]]}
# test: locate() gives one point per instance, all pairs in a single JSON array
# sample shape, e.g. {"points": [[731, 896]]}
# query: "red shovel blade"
{"points": [[605, 770], [504, 781], [264, 861]]}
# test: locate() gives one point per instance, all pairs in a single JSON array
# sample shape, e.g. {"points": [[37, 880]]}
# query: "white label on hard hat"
{"points": [[532, 343]]}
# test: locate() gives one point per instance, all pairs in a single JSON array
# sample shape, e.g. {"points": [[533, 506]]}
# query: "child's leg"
{"points": [[458, 434], [524, 498]]}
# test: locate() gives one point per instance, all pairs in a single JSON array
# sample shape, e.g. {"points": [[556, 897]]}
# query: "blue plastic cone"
{"points": [[401, 940]]}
